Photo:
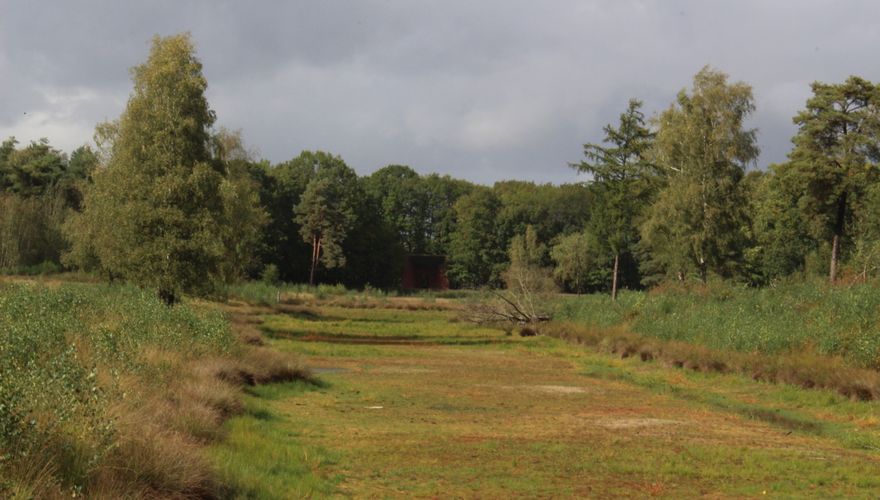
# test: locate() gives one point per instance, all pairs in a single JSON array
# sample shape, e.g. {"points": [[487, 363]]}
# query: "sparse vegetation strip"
{"points": [[803, 369]]}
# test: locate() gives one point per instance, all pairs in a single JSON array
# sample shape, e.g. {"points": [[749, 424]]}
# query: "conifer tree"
{"points": [[326, 211], [835, 155], [619, 184]]}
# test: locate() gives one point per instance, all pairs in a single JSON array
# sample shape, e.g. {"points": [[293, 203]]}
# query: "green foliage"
{"points": [[270, 275], [30, 229], [477, 250], [374, 253], [527, 281], [242, 221], [402, 196], [38, 185], [619, 181], [550, 210], [281, 187], [442, 193], [621, 184], [64, 351], [780, 231], [370, 246], [573, 258], [155, 214], [326, 212], [786, 318], [32, 170], [835, 155], [697, 222], [866, 245], [526, 271], [419, 210]]}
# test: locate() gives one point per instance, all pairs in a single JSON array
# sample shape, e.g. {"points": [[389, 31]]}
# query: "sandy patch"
{"points": [[399, 369], [547, 389], [631, 423]]}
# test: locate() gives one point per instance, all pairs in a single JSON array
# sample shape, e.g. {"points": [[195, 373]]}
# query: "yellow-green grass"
{"points": [[377, 327], [510, 416], [262, 457]]}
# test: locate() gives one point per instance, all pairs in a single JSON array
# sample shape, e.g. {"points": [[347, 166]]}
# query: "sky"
{"points": [[482, 90]]}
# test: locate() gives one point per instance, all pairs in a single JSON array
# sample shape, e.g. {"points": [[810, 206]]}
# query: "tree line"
{"points": [[167, 201]]}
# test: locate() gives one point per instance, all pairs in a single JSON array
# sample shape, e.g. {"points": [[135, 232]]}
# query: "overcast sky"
{"points": [[480, 89]]}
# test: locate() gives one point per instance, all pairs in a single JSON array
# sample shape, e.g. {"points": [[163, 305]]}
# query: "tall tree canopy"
{"points": [[154, 213], [477, 251], [401, 195], [835, 153], [703, 149], [31, 170], [327, 211]]}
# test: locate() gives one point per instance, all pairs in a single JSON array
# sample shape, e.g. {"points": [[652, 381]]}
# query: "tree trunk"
{"points": [[614, 276], [168, 297], [838, 234], [315, 249]]}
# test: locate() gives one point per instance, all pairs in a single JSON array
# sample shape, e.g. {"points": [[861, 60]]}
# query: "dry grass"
{"points": [[368, 302], [161, 436], [163, 417], [805, 369]]}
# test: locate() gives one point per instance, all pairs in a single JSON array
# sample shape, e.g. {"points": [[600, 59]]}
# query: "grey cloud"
{"points": [[482, 90]]}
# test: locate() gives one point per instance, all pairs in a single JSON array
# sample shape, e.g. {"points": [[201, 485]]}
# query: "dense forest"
{"points": [[166, 200]]}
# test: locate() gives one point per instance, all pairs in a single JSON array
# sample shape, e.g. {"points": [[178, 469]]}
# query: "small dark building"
{"points": [[425, 271]]}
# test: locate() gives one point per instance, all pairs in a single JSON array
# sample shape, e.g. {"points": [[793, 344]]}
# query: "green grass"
{"points": [[262, 458], [349, 325], [533, 417], [821, 413], [842, 321]]}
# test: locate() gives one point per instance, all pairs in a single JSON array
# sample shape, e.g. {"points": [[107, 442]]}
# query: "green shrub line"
{"points": [[839, 321]]}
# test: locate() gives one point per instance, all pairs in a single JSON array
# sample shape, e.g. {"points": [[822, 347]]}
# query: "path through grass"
{"points": [[416, 404]]}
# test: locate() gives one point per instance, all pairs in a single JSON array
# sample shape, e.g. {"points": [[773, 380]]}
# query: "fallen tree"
{"points": [[525, 301]]}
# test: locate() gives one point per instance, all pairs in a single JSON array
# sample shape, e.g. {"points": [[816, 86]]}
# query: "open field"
{"points": [[414, 403]]}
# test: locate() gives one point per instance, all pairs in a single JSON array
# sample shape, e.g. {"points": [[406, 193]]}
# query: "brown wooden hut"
{"points": [[425, 272]]}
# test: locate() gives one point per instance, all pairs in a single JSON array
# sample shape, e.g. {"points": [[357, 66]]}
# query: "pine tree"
{"points": [[836, 151], [326, 211]]}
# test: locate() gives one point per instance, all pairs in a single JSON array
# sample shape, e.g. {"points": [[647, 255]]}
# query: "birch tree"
{"points": [[702, 149]]}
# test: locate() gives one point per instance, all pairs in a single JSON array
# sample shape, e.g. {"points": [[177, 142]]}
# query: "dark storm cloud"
{"points": [[481, 90]]}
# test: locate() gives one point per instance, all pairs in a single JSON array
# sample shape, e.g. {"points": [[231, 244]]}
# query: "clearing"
{"points": [[414, 403]]}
